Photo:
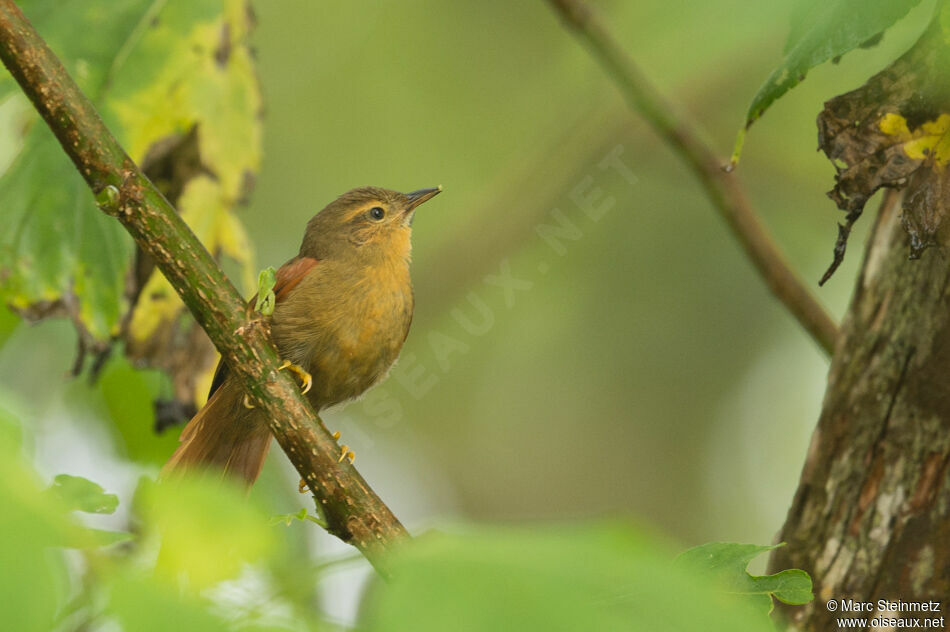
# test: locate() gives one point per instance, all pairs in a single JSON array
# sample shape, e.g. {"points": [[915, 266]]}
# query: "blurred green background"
{"points": [[639, 369]]}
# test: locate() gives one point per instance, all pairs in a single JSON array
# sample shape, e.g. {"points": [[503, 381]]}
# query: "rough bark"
{"points": [[871, 517]]}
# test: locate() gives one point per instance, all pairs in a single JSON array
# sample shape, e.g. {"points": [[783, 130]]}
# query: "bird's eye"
{"points": [[377, 213]]}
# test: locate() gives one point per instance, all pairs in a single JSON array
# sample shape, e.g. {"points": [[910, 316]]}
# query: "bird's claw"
{"points": [[306, 380], [346, 453], [247, 402]]}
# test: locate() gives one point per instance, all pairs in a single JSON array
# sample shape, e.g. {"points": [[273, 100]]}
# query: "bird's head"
{"points": [[368, 222]]}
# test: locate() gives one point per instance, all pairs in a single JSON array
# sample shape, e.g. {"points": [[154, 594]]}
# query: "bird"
{"points": [[342, 313]]}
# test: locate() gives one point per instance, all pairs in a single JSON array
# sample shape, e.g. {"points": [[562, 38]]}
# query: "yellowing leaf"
{"points": [[209, 215], [210, 99], [930, 140], [207, 77], [155, 71], [159, 316], [892, 133]]}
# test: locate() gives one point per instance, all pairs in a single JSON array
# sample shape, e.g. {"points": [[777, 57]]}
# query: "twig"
{"points": [[722, 187], [354, 513]]}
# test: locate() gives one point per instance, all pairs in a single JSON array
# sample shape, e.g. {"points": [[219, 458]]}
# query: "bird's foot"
{"points": [[247, 402], [345, 452], [306, 380]]}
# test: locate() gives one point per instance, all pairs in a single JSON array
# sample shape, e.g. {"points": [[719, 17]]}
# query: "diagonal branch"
{"points": [[721, 187], [353, 511]]}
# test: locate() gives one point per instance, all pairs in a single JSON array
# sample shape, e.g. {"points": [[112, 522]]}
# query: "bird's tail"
{"points": [[223, 435]]}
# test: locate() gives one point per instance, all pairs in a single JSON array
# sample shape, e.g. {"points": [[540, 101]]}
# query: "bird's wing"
{"points": [[288, 277], [290, 274]]}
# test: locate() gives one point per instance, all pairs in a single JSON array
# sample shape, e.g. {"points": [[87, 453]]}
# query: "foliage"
{"points": [[33, 581], [726, 562], [196, 535], [890, 133], [823, 30], [606, 577], [266, 281], [167, 78], [446, 577], [81, 494], [288, 518], [127, 395], [206, 530]]}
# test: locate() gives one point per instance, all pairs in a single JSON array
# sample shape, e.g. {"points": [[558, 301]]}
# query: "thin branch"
{"points": [[721, 187], [354, 513]]}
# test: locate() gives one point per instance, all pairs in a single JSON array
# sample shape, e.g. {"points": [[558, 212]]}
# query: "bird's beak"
{"points": [[422, 195]]}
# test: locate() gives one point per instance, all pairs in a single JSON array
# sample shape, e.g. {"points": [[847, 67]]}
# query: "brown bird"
{"points": [[342, 313]]}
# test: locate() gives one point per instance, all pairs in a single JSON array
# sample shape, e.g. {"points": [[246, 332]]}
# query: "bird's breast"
{"points": [[351, 328]]}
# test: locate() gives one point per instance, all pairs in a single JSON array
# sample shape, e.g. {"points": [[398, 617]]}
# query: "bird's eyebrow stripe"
{"points": [[362, 209]]}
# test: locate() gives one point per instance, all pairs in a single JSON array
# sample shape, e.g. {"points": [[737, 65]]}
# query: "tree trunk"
{"points": [[870, 518]]}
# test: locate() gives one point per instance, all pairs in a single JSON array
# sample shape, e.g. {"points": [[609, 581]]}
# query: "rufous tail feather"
{"points": [[224, 435]]}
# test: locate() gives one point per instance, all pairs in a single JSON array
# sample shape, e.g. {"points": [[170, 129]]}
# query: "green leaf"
{"points": [[33, 575], [197, 64], [289, 518], [128, 395], [80, 494], [55, 243], [8, 323], [92, 538], [146, 605], [208, 530], [155, 70], [265, 291], [86, 36], [594, 578], [823, 30], [727, 562]]}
